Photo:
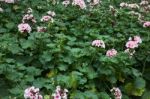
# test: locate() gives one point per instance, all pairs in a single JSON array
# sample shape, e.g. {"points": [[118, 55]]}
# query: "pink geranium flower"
{"points": [[46, 18], [146, 24], [24, 27], [32, 93], [79, 3], [98, 43], [137, 39], [10, 1], [117, 93], [111, 53], [60, 94], [131, 44]]}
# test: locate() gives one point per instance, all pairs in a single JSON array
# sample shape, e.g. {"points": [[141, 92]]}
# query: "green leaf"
{"points": [[139, 83], [103, 95], [146, 95], [10, 25]]}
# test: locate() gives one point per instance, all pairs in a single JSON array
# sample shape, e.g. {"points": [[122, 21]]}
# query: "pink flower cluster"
{"points": [[79, 3], [132, 44], [32, 93], [111, 53], [146, 24], [41, 29], [130, 6], [117, 93], [48, 17], [29, 16], [59, 93], [98, 43], [24, 28], [9, 1]]}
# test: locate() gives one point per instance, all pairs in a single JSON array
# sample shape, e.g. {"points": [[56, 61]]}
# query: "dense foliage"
{"points": [[63, 54]]}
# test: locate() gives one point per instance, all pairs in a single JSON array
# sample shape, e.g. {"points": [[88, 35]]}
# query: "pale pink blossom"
{"points": [[1, 10], [111, 53], [137, 39], [130, 52], [51, 13], [131, 44], [133, 6], [32, 93], [46, 18], [79, 3], [117, 93], [29, 11], [10, 1], [24, 27], [123, 4], [28, 17], [98, 43], [144, 2], [146, 24], [41, 29], [60, 93], [56, 96], [66, 3]]}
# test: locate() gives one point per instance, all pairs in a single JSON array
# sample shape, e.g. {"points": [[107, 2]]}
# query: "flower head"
{"points": [[98, 43], [79, 3], [137, 39], [24, 27], [66, 3], [41, 29], [32, 93], [117, 93], [51, 13], [146, 24], [123, 4], [46, 18], [111, 53], [59, 93], [10, 1], [131, 44]]}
